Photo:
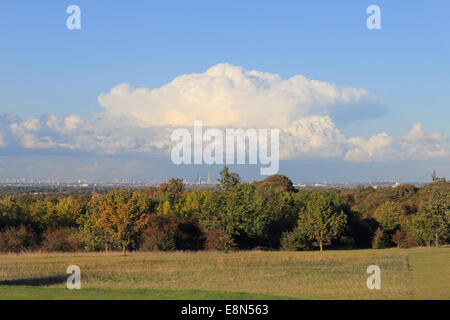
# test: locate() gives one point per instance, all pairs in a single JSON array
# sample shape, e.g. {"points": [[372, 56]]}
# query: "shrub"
{"points": [[189, 236], [295, 241], [218, 240], [404, 239], [63, 239], [346, 242], [17, 239], [160, 234], [166, 233], [360, 230], [380, 240]]}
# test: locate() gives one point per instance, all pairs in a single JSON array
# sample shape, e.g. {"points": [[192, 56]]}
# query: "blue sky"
{"points": [[47, 69]]}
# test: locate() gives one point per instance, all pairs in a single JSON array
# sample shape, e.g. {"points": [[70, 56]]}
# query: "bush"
{"points": [[218, 240], [404, 239], [63, 240], [160, 234], [345, 242], [189, 236], [380, 240], [165, 233], [295, 241], [360, 230], [17, 239]]}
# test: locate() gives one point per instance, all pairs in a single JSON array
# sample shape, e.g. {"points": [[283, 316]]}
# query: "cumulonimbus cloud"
{"points": [[225, 96], [230, 96]]}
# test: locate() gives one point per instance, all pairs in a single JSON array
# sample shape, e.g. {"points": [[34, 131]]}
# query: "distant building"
{"points": [[95, 196]]}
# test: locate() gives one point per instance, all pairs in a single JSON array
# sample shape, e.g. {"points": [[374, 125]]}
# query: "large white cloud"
{"points": [[315, 136], [106, 136], [377, 148], [415, 145], [225, 96], [420, 145]]}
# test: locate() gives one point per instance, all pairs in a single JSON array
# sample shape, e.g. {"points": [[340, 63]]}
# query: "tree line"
{"points": [[268, 215]]}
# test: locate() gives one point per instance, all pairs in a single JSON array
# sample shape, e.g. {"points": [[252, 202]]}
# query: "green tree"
{"points": [[62, 212], [278, 182], [432, 223], [228, 179], [245, 215], [173, 189], [323, 219], [436, 179], [11, 212], [190, 203], [389, 215]]}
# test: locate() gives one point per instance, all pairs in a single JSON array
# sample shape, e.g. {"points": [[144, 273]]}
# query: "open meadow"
{"points": [[421, 273]]}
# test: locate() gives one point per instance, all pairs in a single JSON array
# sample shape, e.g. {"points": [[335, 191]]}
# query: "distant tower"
{"points": [[209, 179]]}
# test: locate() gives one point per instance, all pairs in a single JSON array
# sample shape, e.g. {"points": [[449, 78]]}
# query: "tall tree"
{"points": [[322, 219], [432, 222], [228, 179], [173, 189]]}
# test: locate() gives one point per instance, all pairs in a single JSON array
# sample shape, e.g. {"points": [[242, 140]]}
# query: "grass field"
{"points": [[421, 273]]}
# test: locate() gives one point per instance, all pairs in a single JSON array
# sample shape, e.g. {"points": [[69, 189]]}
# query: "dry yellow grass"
{"points": [[303, 275]]}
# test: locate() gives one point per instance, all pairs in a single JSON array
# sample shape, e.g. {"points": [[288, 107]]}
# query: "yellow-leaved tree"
{"points": [[116, 219]]}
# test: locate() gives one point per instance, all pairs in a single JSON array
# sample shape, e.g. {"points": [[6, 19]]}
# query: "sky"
{"points": [[99, 103]]}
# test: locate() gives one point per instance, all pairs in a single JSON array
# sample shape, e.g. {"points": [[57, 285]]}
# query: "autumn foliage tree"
{"points": [[278, 182], [266, 214], [116, 219]]}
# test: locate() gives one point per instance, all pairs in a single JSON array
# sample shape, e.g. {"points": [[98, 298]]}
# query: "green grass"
{"points": [[421, 273], [44, 293], [430, 270]]}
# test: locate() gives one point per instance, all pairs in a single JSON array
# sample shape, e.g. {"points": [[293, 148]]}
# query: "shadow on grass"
{"points": [[35, 282]]}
